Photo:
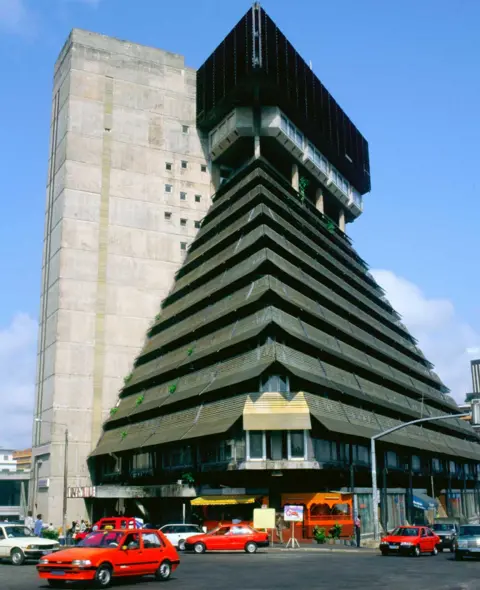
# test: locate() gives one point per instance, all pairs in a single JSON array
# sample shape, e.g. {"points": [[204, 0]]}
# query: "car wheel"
{"points": [[440, 549], [17, 556], [103, 576], [199, 548], [458, 556], [384, 552], [251, 547], [181, 545], [416, 551], [435, 551], [164, 571]]}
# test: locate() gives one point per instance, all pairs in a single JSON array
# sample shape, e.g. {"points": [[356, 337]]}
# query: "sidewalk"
{"points": [[277, 548]]}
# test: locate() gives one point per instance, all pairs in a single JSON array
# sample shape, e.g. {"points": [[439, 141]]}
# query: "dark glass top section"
{"points": [[256, 62]]}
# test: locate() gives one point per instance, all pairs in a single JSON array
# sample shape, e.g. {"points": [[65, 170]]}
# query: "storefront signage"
{"points": [[293, 513], [264, 518], [43, 483], [81, 492]]}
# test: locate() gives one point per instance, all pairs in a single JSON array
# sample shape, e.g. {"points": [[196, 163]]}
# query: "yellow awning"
{"points": [[222, 500]]}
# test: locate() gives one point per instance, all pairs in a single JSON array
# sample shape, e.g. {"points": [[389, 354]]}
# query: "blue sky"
{"points": [[405, 71]]}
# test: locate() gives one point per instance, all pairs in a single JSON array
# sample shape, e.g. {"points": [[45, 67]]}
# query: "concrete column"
{"points": [[295, 177], [215, 179], [256, 144], [319, 200], [341, 220]]}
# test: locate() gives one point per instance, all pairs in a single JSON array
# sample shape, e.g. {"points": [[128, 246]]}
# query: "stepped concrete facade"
{"points": [[128, 184]]}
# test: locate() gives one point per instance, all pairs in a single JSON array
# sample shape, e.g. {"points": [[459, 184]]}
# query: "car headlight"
{"points": [[81, 562], [383, 543], [406, 544], [446, 538], [462, 544], [31, 547]]}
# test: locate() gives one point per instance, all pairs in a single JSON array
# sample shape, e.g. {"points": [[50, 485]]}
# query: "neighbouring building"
{"points": [[275, 355], [128, 184], [475, 368], [7, 462], [23, 459]]}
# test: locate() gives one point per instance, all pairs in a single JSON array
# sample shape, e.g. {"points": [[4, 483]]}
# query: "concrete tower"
{"points": [[127, 186]]}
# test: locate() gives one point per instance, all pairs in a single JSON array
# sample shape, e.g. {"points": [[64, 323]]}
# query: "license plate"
{"points": [[393, 547], [46, 552], [57, 572]]}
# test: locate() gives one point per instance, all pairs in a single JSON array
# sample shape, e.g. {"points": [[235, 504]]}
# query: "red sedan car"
{"points": [[108, 554], [229, 537], [410, 540]]}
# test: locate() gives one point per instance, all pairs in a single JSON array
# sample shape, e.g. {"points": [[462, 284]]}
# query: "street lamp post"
{"points": [[475, 417], [65, 476]]}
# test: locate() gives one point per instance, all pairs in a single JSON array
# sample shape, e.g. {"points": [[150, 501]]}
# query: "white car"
{"points": [[18, 543], [177, 534]]}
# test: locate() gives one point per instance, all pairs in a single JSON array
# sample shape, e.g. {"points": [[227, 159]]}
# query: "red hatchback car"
{"points": [[410, 540], [108, 554], [229, 537]]}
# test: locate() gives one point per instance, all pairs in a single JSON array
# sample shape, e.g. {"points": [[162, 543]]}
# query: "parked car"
{"points": [[230, 537], [446, 531], [177, 534], [467, 543], [18, 543], [111, 522], [108, 554], [410, 540]]}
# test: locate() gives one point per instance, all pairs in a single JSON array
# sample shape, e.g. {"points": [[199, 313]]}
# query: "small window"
{"points": [[183, 246], [256, 444], [297, 444], [184, 164], [185, 129], [203, 167], [151, 541], [183, 222], [183, 196], [198, 198], [168, 188], [168, 165], [167, 215], [197, 224]]}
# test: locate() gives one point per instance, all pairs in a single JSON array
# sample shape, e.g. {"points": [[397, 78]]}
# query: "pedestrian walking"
{"points": [[29, 522], [83, 526], [37, 529], [358, 529], [280, 526]]}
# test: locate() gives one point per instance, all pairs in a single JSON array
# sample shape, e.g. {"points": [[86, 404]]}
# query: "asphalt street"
{"points": [[302, 569]]}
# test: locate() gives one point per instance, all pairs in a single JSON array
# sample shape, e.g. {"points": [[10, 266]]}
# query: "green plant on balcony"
{"points": [[319, 535], [190, 351], [335, 531], [113, 411], [188, 479], [172, 388], [302, 187], [158, 316], [127, 379], [139, 399], [123, 434]]}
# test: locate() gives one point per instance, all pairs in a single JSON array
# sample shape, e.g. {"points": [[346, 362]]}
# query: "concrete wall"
{"points": [[123, 121]]}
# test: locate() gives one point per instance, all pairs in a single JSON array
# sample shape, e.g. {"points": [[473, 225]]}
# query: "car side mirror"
{"points": [[124, 548]]}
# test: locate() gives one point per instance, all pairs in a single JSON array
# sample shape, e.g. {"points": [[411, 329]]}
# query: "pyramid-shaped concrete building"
{"points": [[276, 355]]}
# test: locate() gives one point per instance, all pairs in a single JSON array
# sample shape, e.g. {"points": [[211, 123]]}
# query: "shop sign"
{"points": [[43, 483], [293, 513], [81, 492]]}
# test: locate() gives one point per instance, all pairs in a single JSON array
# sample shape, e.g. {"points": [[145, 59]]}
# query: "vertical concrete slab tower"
{"points": [[127, 187]]}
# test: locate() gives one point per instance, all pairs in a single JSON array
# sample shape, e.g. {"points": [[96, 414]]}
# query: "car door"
{"points": [[4, 544], [239, 537], [170, 532], [218, 539], [432, 539], [153, 550], [131, 558], [424, 541]]}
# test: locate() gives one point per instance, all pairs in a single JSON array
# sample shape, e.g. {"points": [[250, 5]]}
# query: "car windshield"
{"points": [[443, 527], [17, 531], [470, 531], [102, 539], [405, 532]]}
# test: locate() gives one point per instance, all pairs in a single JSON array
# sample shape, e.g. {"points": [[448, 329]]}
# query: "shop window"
{"points": [[360, 455], [142, 461], [274, 383], [178, 456], [416, 463], [436, 465], [296, 444], [216, 452], [256, 445]]}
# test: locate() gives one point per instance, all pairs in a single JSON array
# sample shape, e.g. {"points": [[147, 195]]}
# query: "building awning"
{"points": [[276, 411], [424, 502], [222, 500]]}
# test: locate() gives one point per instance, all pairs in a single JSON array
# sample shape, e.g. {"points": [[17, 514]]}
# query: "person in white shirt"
{"points": [[29, 522]]}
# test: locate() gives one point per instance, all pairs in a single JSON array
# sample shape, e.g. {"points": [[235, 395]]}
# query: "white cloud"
{"points": [[18, 344], [443, 336]]}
